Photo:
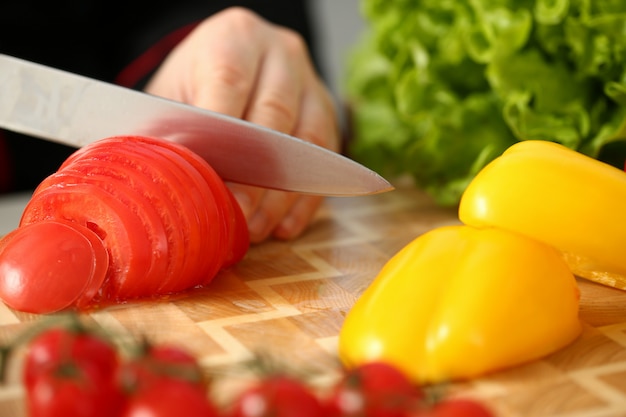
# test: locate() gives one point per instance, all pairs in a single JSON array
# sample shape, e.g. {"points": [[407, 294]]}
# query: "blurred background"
{"points": [[340, 26]]}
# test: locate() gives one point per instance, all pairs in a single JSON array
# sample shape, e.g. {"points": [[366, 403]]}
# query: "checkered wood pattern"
{"points": [[288, 300]]}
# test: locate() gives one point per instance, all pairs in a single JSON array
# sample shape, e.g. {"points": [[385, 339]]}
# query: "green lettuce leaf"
{"points": [[438, 88]]}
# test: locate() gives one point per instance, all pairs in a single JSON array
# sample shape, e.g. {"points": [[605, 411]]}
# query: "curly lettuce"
{"points": [[438, 88]]}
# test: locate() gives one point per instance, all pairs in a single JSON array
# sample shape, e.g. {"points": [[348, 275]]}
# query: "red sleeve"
{"points": [[143, 66]]}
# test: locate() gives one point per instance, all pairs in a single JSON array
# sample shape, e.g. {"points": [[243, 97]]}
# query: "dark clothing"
{"points": [[104, 39]]}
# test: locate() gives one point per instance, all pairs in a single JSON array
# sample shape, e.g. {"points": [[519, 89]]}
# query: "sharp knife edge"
{"points": [[74, 110]]}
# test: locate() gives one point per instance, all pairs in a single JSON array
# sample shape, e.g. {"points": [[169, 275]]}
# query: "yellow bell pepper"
{"points": [[558, 196], [459, 302]]}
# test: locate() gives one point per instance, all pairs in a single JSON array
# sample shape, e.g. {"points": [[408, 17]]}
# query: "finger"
{"points": [[270, 212], [298, 218], [248, 197], [317, 122], [226, 77], [282, 214], [276, 98]]}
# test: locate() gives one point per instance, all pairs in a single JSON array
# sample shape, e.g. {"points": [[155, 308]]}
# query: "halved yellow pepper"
{"points": [[558, 196], [459, 302]]}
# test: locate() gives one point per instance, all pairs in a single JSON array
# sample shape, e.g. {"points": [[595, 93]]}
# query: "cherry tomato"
{"points": [[54, 251], [71, 389], [277, 396], [454, 407], [71, 372], [160, 362], [57, 346], [170, 397], [374, 389]]}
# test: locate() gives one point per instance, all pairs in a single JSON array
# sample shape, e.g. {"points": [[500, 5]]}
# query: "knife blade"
{"points": [[71, 109]]}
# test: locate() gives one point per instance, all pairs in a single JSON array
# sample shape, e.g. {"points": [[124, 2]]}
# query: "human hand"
{"points": [[238, 64]]}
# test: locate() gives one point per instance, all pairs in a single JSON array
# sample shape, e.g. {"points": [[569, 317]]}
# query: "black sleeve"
{"points": [[102, 39]]}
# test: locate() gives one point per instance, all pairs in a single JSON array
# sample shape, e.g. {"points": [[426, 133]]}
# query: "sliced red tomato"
{"points": [[222, 218], [235, 224], [238, 235], [153, 182], [124, 285], [166, 219], [125, 186], [121, 231], [204, 248], [196, 208], [51, 265]]}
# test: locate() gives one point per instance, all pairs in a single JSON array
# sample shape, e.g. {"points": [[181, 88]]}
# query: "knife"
{"points": [[59, 106]]}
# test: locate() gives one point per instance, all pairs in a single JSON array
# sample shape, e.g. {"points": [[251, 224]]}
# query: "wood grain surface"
{"points": [[288, 300]]}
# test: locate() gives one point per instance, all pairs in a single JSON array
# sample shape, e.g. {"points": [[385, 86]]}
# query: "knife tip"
{"points": [[370, 185]]}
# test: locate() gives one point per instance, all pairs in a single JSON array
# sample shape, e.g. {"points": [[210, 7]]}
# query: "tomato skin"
{"points": [[87, 204], [73, 390], [238, 236], [374, 389], [71, 373], [205, 238], [277, 396], [68, 267], [454, 407], [57, 346], [126, 187], [159, 363], [167, 398], [235, 227]]}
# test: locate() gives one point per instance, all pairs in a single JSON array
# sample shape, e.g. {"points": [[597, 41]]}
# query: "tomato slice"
{"points": [[122, 233], [211, 178], [194, 204], [101, 267], [207, 254], [238, 235], [234, 223], [123, 185], [50, 265], [149, 182], [166, 219]]}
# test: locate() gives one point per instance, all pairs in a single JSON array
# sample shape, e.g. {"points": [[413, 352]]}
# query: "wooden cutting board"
{"points": [[288, 300]]}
